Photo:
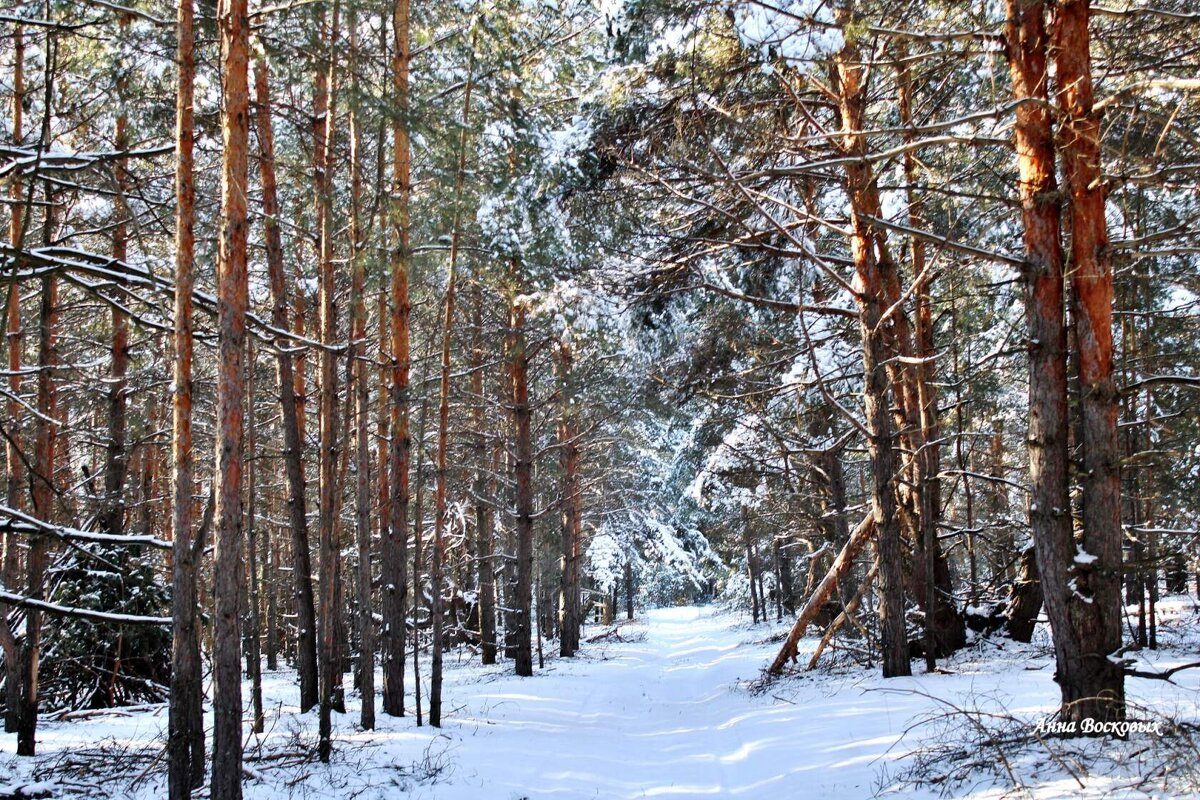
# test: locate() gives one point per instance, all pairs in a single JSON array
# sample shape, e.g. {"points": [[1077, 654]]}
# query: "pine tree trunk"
{"points": [[822, 592], [42, 481], [418, 528], [185, 740], [10, 561], [484, 547], [629, 588], [232, 289], [568, 601], [290, 405], [253, 619], [523, 449], [329, 663], [1093, 684], [1079, 671], [863, 194], [1025, 600], [362, 403], [751, 572], [395, 544], [112, 516], [440, 504]]}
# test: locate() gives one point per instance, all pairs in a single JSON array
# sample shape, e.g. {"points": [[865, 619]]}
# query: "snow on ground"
{"points": [[670, 707]]}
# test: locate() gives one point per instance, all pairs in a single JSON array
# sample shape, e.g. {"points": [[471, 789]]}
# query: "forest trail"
{"points": [[667, 716], [663, 711]]}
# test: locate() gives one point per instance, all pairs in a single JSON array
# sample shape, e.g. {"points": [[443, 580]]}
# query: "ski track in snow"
{"points": [[665, 714]]}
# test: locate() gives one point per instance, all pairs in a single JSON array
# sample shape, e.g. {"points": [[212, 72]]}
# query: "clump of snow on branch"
{"points": [[794, 31]]}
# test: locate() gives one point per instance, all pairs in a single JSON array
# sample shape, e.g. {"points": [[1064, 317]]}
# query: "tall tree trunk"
{"points": [[751, 572], [112, 516], [327, 411], [290, 405], [927, 455], [629, 588], [362, 408], [1003, 545], [232, 290], [1078, 672], [522, 601], [270, 581], [568, 455], [10, 562], [872, 299], [395, 544], [440, 506], [1093, 686], [253, 624], [185, 740], [484, 552], [418, 529], [45, 433]]}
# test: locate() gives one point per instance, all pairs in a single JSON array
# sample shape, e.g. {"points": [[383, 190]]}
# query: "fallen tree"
{"points": [[825, 589]]}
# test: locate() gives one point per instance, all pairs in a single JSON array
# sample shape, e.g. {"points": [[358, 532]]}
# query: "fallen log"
{"points": [[846, 614], [841, 565]]}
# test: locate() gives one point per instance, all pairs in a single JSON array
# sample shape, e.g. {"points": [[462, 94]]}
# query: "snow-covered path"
{"points": [[666, 717], [662, 711]]}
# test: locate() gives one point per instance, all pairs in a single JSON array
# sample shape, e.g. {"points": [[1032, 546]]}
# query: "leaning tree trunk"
{"points": [[232, 288], [1094, 686], [822, 592]]}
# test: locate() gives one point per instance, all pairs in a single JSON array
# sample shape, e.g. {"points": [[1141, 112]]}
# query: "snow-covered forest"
{"points": [[600, 398]]}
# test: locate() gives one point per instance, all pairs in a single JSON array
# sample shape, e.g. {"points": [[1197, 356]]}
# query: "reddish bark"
{"points": [[327, 455], [232, 288], [185, 741], [112, 514], [873, 300], [1084, 672], [10, 561], [822, 592], [291, 407], [1093, 687], [395, 544]]}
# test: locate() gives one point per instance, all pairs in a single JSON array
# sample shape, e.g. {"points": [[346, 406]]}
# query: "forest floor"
{"points": [[672, 706]]}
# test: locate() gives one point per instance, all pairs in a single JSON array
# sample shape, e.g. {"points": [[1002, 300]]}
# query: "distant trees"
{"points": [[782, 152]]}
